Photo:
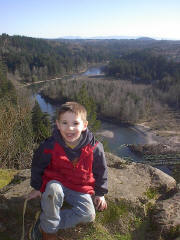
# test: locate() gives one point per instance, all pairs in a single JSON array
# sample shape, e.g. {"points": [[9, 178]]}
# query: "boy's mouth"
{"points": [[69, 135]]}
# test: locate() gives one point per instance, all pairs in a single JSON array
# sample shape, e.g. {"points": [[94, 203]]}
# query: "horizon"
{"points": [[109, 37], [97, 37], [157, 19]]}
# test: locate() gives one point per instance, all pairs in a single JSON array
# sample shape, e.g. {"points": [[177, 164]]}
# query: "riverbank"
{"points": [[152, 133], [151, 136], [120, 135], [148, 134], [167, 137], [141, 128], [162, 150], [153, 149]]}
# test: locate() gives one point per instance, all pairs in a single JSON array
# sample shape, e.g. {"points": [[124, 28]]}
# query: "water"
{"points": [[117, 136], [93, 71], [45, 106]]}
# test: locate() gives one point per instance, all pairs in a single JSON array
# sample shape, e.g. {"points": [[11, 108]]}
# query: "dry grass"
{"points": [[6, 176], [15, 134]]}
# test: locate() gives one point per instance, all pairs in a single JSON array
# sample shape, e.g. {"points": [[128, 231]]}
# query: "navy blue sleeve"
{"points": [[100, 170], [40, 161]]}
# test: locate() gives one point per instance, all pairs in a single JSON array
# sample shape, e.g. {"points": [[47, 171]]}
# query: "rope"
{"points": [[24, 210]]}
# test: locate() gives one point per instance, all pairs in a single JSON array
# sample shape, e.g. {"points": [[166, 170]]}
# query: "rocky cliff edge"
{"points": [[140, 184]]}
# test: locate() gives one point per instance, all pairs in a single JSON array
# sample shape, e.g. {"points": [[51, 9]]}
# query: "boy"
{"points": [[68, 166]]}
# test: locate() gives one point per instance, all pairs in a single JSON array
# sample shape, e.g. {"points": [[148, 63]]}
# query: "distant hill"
{"points": [[70, 37], [107, 37], [146, 39]]}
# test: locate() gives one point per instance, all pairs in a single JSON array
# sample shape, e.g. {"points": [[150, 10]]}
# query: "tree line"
{"points": [[137, 86], [22, 124], [146, 68], [38, 59], [120, 100]]}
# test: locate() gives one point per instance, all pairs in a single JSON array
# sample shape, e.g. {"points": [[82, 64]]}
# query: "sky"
{"points": [[159, 19]]}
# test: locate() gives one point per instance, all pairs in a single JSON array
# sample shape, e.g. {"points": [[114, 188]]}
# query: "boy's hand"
{"points": [[33, 194], [100, 203]]}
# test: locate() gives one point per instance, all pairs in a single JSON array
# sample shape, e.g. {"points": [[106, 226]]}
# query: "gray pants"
{"points": [[54, 218]]}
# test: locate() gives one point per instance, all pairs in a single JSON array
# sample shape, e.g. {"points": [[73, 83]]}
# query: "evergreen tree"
{"points": [[90, 105], [41, 124], [6, 87], [88, 102], [3, 80]]}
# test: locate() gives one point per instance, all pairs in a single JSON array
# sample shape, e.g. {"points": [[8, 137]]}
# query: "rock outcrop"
{"points": [[131, 181], [167, 213], [134, 181], [128, 181]]}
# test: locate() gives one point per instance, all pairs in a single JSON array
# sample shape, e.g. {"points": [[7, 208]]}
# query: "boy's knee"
{"points": [[53, 188], [90, 216]]}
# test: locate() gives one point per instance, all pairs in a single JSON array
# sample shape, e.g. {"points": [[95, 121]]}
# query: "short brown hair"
{"points": [[73, 107]]}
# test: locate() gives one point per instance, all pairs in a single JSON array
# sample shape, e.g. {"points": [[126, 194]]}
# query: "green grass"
{"points": [[151, 193], [116, 223], [121, 221], [6, 175], [98, 231], [114, 212]]}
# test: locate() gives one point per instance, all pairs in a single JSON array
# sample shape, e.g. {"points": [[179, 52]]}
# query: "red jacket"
{"points": [[75, 175], [47, 164]]}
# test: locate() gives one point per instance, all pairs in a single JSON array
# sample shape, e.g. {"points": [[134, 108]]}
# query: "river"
{"points": [[116, 135]]}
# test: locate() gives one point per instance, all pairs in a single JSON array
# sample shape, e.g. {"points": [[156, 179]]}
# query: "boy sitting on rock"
{"points": [[70, 165]]}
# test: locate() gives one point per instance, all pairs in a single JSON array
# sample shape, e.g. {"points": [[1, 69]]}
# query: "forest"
{"points": [[36, 59], [22, 124], [141, 83], [143, 67]]}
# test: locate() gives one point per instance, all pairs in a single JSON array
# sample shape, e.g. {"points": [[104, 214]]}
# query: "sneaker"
{"points": [[35, 231]]}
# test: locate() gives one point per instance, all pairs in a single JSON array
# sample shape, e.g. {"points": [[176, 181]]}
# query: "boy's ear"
{"points": [[85, 125]]}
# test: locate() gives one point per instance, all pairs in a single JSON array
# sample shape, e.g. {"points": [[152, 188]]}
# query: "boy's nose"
{"points": [[71, 127]]}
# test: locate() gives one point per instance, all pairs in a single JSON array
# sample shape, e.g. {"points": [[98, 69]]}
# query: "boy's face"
{"points": [[71, 126]]}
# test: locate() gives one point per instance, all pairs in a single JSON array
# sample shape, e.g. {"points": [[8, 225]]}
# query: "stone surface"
{"points": [[131, 181], [126, 181], [167, 213]]}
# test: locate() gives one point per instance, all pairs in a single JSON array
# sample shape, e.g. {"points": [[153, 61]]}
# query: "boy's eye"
{"points": [[76, 123], [64, 122]]}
